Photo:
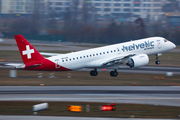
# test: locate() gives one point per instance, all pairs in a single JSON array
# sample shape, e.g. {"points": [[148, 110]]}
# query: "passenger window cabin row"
{"points": [[89, 55]]}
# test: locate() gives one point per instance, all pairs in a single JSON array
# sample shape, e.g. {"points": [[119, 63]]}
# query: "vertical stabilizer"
{"points": [[27, 51]]}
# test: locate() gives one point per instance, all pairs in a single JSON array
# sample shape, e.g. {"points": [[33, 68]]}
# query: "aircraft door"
{"points": [[159, 44], [118, 51], [57, 63]]}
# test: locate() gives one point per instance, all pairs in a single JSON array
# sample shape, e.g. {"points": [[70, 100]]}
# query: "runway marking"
{"points": [[95, 97]]}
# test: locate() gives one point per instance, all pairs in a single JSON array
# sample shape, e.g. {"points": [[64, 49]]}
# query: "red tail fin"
{"points": [[27, 51]]}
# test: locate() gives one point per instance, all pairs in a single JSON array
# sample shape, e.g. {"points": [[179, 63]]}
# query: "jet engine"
{"points": [[138, 60]]}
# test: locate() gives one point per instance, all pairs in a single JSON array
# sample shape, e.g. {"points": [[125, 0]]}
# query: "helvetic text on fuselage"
{"points": [[146, 45]]}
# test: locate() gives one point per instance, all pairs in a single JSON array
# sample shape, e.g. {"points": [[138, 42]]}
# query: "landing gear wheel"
{"points": [[157, 62], [93, 73], [113, 73]]}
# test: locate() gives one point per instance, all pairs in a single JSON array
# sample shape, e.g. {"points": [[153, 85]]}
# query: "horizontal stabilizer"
{"points": [[50, 54], [14, 64]]}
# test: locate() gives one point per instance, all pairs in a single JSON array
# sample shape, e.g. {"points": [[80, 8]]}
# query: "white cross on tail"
{"points": [[28, 52]]}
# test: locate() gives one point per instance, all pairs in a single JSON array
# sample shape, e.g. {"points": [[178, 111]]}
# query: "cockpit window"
{"points": [[165, 40]]}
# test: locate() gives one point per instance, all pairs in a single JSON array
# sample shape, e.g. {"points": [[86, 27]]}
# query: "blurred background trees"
{"points": [[79, 23]]}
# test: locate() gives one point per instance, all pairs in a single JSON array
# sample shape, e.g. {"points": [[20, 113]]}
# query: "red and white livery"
{"points": [[133, 53]]}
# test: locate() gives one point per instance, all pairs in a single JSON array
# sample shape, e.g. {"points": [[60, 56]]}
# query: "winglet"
{"points": [[27, 51]]}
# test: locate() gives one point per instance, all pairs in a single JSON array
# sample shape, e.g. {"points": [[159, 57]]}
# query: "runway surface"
{"points": [[18, 117], [153, 95], [122, 69]]}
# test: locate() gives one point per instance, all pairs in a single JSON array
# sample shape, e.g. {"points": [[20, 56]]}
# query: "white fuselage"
{"points": [[95, 57]]}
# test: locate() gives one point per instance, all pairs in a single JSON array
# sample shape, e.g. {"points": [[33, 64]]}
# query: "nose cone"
{"points": [[174, 46]]}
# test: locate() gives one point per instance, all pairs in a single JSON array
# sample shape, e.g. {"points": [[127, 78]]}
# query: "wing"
{"points": [[109, 61], [50, 54], [119, 59]]}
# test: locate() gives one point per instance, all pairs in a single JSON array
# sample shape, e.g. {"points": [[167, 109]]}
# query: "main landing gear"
{"points": [[94, 72], [114, 73], [157, 61]]}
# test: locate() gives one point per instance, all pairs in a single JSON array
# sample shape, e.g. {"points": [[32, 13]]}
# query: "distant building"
{"points": [[16, 6], [114, 8], [151, 9], [20, 6], [137, 8], [59, 5], [173, 19]]}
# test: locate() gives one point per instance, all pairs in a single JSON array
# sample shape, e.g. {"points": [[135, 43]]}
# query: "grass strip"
{"points": [[82, 78], [60, 109]]}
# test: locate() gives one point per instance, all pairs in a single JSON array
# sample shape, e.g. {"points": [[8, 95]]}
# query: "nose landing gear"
{"points": [[157, 61]]}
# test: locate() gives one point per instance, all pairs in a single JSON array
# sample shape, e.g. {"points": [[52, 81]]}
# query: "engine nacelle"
{"points": [[138, 60]]}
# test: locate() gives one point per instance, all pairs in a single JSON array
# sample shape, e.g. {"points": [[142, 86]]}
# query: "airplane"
{"points": [[133, 54]]}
